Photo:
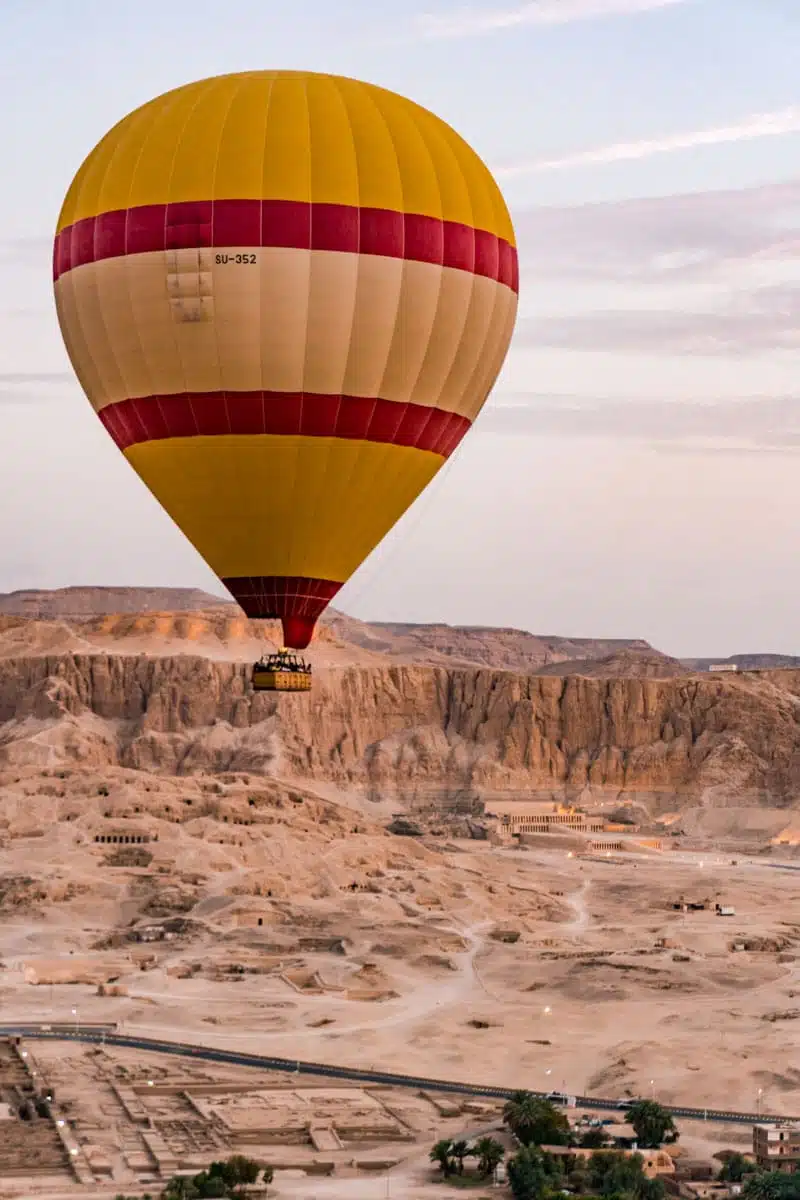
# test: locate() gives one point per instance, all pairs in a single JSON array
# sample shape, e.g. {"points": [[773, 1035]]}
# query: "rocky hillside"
{"points": [[404, 731], [170, 621], [487, 646], [630, 662]]}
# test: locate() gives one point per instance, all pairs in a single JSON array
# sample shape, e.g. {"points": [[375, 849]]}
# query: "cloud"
{"points": [[26, 251], [14, 378], [679, 238], [731, 425], [710, 274], [753, 323], [470, 22], [759, 125], [31, 387]]}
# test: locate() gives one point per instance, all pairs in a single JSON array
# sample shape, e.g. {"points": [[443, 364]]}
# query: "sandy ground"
{"points": [[586, 998], [376, 950]]}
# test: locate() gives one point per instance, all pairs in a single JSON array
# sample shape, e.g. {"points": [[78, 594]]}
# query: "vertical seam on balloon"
{"points": [[261, 262], [483, 376], [473, 294], [92, 275], [223, 387], [479, 378], [502, 332], [376, 470], [423, 139], [291, 489], [94, 272], [178, 357], [201, 94], [473, 381], [69, 285], [485, 371], [398, 472], [457, 342], [480, 382], [154, 390], [357, 453], [321, 486], [370, 97]]}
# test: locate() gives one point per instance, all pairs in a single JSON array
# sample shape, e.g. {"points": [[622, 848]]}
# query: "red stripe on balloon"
{"points": [[255, 223], [297, 601], [310, 414]]}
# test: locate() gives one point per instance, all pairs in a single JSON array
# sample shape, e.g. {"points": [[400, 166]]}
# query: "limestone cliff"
{"points": [[407, 729]]}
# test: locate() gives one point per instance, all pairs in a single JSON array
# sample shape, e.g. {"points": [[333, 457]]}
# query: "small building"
{"points": [[703, 1189], [723, 667], [516, 817], [776, 1146], [725, 910]]}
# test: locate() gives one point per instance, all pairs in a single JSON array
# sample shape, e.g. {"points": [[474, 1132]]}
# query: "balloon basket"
{"points": [[282, 673]]}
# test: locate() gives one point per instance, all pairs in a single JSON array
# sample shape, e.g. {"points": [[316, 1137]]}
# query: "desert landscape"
{"points": [[362, 877]]}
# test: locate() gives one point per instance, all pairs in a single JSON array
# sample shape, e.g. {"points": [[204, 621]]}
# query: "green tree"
{"points": [[460, 1150], [442, 1153], [242, 1170], [556, 1166], [735, 1167], [180, 1187], [614, 1174], [651, 1189], [527, 1176], [212, 1187], [535, 1122], [489, 1154], [771, 1185], [594, 1139], [579, 1179], [652, 1124], [221, 1181]]}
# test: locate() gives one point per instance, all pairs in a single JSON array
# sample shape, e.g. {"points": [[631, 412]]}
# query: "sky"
{"points": [[635, 471]]}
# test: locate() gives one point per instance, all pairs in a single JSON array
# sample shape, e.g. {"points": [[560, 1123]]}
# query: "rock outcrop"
{"points": [[405, 730]]}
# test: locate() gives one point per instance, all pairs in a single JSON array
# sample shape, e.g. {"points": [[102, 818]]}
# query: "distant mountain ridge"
{"points": [[745, 662], [90, 601], [164, 620], [187, 620]]}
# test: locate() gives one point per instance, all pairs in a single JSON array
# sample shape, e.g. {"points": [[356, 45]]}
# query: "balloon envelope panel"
{"points": [[287, 296]]}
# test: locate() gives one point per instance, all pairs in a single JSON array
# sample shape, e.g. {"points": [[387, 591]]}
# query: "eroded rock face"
{"points": [[411, 728]]}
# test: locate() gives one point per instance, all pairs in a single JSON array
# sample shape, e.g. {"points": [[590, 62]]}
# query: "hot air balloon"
{"points": [[287, 296]]}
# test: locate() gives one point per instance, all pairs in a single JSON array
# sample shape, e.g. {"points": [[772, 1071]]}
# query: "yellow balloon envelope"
{"points": [[287, 296]]}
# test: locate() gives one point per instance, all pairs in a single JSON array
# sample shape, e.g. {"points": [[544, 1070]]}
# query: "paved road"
{"points": [[103, 1034]]}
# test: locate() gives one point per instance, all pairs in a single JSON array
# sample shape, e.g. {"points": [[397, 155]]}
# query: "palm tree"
{"points": [[460, 1150], [489, 1154], [180, 1188], [519, 1113], [442, 1154]]}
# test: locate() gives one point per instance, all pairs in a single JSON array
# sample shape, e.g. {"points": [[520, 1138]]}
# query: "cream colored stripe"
{"points": [[291, 320]]}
